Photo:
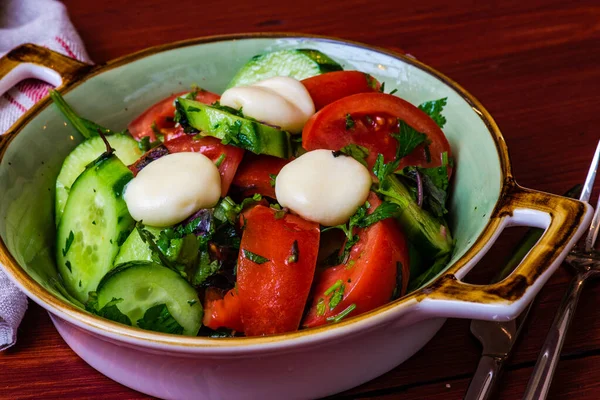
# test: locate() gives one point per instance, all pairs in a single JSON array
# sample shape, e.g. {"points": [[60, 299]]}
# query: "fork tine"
{"points": [[592, 235], [586, 192]]}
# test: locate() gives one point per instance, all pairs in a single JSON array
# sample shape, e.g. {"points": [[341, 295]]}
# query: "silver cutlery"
{"points": [[586, 264], [498, 338]]}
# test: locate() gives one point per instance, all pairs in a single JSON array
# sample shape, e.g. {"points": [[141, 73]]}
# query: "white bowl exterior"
{"points": [[298, 373]]}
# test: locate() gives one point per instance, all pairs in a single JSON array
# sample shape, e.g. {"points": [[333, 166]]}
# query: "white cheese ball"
{"points": [[172, 188], [323, 188], [279, 101]]}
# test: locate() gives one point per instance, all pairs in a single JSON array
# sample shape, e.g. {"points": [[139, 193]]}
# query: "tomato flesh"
{"points": [[212, 148], [369, 277], [222, 311], [161, 115], [375, 117], [327, 88], [273, 293], [255, 172]]}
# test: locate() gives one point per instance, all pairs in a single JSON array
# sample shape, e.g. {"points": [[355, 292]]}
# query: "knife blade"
{"points": [[498, 338]]}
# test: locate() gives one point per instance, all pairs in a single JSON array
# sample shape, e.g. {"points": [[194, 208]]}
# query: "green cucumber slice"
{"points": [[299, 64], [231, 129], [94, 224], [135, 248], [126, 148], [144, 284]]}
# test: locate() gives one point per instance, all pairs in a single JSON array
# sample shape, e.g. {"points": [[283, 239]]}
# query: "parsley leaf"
{"points": [[228, 210], [384, 211], [343, 314], [258, 259], [408, 139], [227, 109], [359, 153], [206, 267], [434, 109], [68, 243], [272, 179], [109, 311], [159, 319]]}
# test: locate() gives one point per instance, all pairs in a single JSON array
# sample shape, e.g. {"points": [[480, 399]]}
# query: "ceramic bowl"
{"points": [[485, 200]]}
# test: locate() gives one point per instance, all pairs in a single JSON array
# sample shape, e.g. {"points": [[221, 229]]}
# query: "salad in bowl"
{"points": [[301, 195], [291, 210]]}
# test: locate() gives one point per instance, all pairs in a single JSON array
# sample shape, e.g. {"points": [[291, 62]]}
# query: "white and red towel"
{"points": [[46, 23]]}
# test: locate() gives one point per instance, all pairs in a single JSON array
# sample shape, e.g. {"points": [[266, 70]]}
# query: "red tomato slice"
{"points": [[212, 148], [254, 174], [369, 276], [375, 119], [273, 293], [222, 311], [327, 88], [162, 114]]}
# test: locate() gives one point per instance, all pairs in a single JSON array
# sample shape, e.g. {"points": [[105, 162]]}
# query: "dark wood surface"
{"points": [[533, 64]]}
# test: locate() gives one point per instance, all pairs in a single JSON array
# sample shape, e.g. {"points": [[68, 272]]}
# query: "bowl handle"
{"points": [[32, 61], [564, 221]]}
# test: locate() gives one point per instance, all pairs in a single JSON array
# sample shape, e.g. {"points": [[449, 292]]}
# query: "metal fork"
{"points": [[586, 263]]}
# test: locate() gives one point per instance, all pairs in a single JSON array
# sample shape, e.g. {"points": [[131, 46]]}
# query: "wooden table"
{"points": [[534, 65]]}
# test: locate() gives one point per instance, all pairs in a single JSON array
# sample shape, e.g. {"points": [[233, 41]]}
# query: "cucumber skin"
{"points": [[126, 149], [420, 227], [268, 65], [182, 295], [107, 177], [253, 136]]}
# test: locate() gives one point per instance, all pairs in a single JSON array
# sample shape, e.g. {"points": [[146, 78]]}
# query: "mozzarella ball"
{"points": [[172, 188], [279, 101], [323, 188]]}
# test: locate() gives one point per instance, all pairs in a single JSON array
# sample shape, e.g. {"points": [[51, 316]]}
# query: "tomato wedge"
{"points": [[222, 311], [276, 265], [255, 172], [212, 148], [327, 88], [374, 119], [161, 114], [368, 279]]}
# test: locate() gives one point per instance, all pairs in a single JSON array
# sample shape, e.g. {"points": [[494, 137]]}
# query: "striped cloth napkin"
{"points": [[46, 23]]}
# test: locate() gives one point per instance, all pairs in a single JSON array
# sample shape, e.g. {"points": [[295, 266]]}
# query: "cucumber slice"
{"points": [[242, 132], [126, 148], [134, 248], [299, 64], [95, 223], [143, 284]]}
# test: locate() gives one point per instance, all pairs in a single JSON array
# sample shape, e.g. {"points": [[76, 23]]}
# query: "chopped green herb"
{"points": [[408, 139], [334, 287], [359, 153], [227, 109], [294, 253], [192, 302], [337, 297], [434, 109], [220, 160], [371, 82], [393, 91], [159, 319], [68, 265], [382, 87], [321, 307], [109, 311], [193, 109], [254, 257], [343, 314], [272, 179], [228, 210], [350, 124], [194, 92], [68, 244], [93, 222]]}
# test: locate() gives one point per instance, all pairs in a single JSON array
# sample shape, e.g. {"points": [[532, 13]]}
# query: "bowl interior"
{"points": [[116, 95]]}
